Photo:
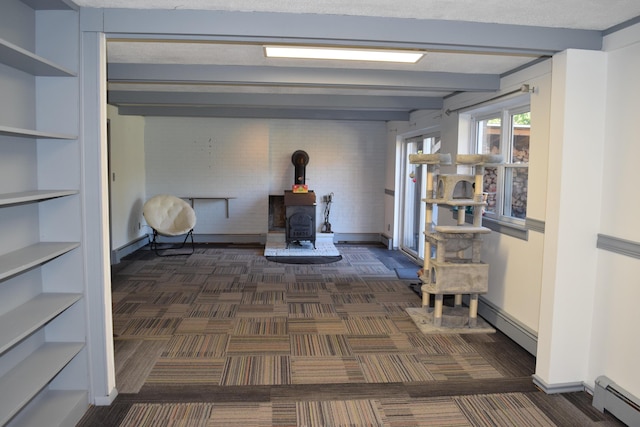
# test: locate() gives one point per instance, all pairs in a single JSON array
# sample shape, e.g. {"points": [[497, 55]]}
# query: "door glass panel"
{"points": [[412, 201], [413, 208]]}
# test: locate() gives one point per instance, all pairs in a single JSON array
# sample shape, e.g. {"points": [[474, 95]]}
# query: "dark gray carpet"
{"points": [[407, 273]]}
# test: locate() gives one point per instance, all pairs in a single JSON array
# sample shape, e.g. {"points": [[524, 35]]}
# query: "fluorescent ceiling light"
{"points": [[342, 54]]}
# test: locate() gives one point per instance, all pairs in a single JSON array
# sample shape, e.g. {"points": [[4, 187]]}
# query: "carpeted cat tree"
{"points": [[452, 264]]}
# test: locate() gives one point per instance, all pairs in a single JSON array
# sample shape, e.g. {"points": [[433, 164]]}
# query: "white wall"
{"points": [[615, 349], [249, 159], [128, 188]]}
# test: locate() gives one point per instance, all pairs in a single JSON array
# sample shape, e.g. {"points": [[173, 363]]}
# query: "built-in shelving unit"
{"points": [[44, 377]]}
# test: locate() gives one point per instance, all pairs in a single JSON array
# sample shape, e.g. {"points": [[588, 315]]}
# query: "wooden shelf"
{"points": [[50, 4], [25, 319], [53, 409], [23, 60], [29, 377], [33, 196], [29, 133], [23, 259]]}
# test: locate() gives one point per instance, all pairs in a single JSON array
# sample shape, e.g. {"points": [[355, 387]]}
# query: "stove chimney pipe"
{"points": [[300, 160]]}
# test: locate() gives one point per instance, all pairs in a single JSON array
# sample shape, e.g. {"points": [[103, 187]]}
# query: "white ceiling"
{"points": [[177, 61], [583, 14]]}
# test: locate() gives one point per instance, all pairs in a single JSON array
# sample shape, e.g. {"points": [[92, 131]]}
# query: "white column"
{"points": [[95, 216], [576, 146]]}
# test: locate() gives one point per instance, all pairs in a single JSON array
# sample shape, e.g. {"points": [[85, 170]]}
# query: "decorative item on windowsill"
{"points": [[326, 226]]}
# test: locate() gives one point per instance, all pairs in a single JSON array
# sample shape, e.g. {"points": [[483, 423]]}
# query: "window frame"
{"points": [[504, 111]]}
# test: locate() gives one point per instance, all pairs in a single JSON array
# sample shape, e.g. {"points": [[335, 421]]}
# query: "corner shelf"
{"points": [[9, 199], [31, 256], [23, 60], [29, 377], [25, 319]]}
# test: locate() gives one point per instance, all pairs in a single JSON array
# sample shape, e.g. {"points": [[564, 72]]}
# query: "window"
{"points": [[506, 132]]}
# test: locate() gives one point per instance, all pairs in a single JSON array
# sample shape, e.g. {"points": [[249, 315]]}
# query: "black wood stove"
{"points": [[300, 208]]}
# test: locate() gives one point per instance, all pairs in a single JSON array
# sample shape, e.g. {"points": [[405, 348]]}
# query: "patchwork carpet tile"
{"points": [[196, 346], [339, 413], [168, 414], [459, 367], [256, 370], [325, 370], [268, 344], [507, 409], [393, 368], [150, 327], [360, 309], [439, 344], [370, 344], [441, 412], [324, 326], [187, 371], [241, 415], [261, 326], [209, 311], [311, 310], [319, 345], [262, 310], [370, 326], [135, 361]]}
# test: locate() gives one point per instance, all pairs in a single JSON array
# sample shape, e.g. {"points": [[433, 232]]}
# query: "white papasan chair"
{"points": [[169, 216]]}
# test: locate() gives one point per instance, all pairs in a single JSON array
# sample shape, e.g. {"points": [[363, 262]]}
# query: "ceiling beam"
{"points": [[268, 27], [401, 103], [264, 113], [301, 77]]}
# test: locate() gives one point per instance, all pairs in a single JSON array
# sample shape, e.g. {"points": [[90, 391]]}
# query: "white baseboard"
{"points": [[356, 237], [519, 333], [106, 400], [559, 387], [132, 246]]}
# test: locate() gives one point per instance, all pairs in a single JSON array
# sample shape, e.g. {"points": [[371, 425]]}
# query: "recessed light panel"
{"points": [[344, 54]]}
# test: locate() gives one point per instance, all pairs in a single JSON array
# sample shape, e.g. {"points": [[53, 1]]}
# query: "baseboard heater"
{"points": [[609, 396]]}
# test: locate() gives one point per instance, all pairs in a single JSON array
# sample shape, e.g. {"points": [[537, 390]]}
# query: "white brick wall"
{"points": [[250, 159]]}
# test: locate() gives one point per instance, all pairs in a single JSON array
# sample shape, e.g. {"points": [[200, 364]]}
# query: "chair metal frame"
{"points": [[154, 244]]}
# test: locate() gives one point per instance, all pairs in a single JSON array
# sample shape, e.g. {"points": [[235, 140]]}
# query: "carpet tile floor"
{"points": [[225, 337]]}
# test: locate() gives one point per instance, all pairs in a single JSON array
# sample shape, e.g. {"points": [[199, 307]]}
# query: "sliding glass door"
{"points": [[413, 187]]}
